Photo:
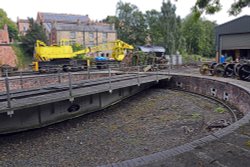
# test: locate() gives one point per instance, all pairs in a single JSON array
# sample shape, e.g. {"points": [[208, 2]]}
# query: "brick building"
{"points": [[23, 26], [7, 54], [76, 28], [89, 34]]}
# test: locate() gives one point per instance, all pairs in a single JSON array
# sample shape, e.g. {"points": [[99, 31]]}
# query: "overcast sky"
{"points": [[99, 9]]}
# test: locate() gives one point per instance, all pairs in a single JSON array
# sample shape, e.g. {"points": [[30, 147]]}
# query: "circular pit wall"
{"points": [[232, 92]]}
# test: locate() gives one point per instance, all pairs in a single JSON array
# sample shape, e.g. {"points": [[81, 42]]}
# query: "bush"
{"points": [[23, 59]]}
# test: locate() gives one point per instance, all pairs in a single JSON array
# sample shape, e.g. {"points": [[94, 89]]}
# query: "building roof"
{"points": [[154, 49], [239, 25], [22, 21], [60, 17]]}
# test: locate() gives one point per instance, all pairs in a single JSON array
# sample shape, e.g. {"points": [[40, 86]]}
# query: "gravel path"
{"points": [[152, 121]]}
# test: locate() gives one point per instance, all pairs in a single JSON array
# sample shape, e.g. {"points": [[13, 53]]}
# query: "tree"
{"points": [[12, 28], [168, 26], [131, 27], [180, 39], [35, 32], [212, 6], [199, 35], [111, 20], [153, 24]]}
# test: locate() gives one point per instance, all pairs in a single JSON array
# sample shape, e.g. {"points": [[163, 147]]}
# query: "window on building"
{"points": [[73, 35], [91, 43], [91, 36], [104, 37], [71, 42]]}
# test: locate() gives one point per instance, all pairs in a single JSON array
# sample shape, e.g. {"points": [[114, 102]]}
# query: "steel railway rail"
{"points": [[232, 110]]}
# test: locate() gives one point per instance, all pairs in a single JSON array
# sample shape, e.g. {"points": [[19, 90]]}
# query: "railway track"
{"points": [[29, 73], [18, 94], [11, 72], [234, 112]]}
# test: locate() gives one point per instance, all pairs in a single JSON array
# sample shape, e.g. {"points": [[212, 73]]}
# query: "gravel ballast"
{"points": [[149, 122]]}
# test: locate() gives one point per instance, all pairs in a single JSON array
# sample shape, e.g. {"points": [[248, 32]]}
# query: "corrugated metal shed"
{"points": [[237, 26], [229, 35], [154, 49]]}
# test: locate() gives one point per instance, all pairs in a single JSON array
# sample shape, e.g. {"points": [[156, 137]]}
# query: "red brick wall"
{"points": [[7, 56], [23, 26], [16, 83], [4, 35]]}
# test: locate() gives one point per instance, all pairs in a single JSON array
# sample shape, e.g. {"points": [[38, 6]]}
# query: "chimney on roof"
{"points": [[5, 27], [78, 22], [54, 23]]}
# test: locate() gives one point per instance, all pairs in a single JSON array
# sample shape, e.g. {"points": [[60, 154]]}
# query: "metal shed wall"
{"points": [[235, 27], [235, 41]]}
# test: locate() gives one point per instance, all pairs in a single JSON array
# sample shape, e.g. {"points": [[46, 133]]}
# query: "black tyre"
{"points": [[244, 72], [229, 70], [219, 70]]}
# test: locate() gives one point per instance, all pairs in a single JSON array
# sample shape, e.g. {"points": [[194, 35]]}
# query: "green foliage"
{"points": [[196, 115], [169, 27], [12, 28], [220, 110], [213, 6], [132, 27], [23, 59], [237, 6], [248, 143], [34, 33], [77, 47], [191, 58], [199, 36], [164, 28], [112, 20], [153, 23]]}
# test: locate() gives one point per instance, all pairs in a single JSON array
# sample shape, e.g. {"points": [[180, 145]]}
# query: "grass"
{"points": [[196, 115], [194, 59], [219, 110], [248, 143], [23, 59]]}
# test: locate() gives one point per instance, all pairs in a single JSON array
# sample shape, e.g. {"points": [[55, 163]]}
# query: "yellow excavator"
{"points": [[62, 58]]}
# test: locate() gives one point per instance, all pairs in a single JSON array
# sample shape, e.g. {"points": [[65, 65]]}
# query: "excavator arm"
{"points": [[46, 53], [118, 48], [118, 51]]}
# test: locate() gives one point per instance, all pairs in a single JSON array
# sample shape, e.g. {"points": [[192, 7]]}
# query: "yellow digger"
{"points": [[62, 57]]}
